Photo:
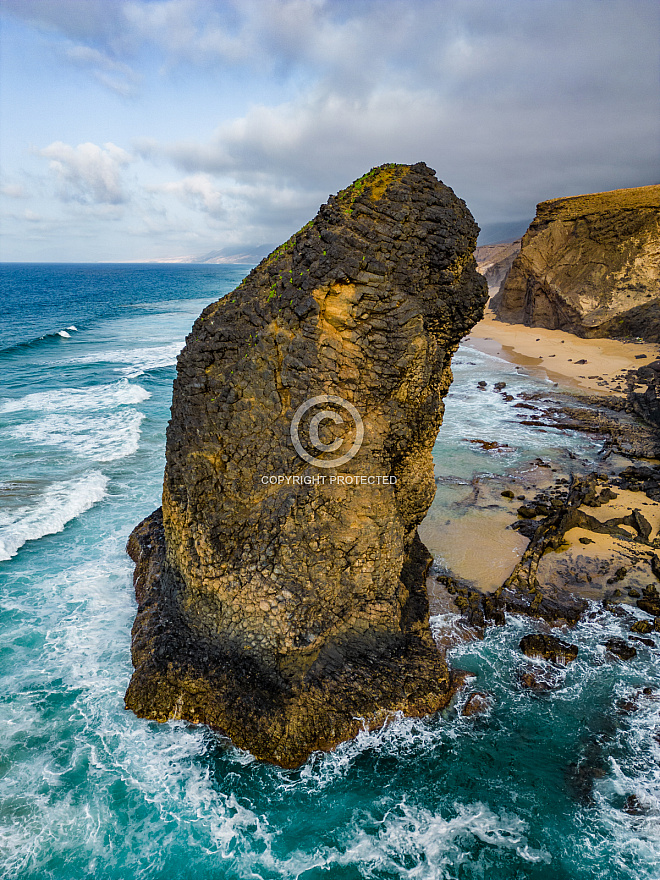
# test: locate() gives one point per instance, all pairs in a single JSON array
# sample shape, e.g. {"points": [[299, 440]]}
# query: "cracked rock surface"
{"points": [[277, 605]]}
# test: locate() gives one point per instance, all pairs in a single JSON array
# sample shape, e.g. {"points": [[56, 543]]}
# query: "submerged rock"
{"points": [[281, 590], [534, 677], [589, 265], [478, 703]]}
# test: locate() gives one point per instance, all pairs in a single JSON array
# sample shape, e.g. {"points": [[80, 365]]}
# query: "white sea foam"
{"points": [[64, 334], [98, 397], [58, 505], [103, 438], [135, 361], [413, 842]]}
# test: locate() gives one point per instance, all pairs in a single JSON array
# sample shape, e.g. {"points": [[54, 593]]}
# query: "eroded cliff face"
{"points": [[589, 265], [281, 589], [495, 260]]}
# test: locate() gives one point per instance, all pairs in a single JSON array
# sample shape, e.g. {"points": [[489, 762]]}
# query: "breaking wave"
{"points": [[58, 505], [102, 438]]}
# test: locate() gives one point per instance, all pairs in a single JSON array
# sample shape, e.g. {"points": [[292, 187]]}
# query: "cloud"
{"points": [[510, 102], [197, 191], [112, 74], [98, 21], [264, 107], [14, 191], [88, 173]]}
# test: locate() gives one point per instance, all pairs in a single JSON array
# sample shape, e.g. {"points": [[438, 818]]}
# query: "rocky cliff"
{"points": [[495, 260], [589, 265], [281, 588]]}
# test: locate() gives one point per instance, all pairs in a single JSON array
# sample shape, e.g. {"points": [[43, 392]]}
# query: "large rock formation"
{"points": [[589, 265], [281, 589]]}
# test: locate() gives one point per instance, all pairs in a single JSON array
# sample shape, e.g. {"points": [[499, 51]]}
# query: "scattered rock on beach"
{"points": [[650, 601]]}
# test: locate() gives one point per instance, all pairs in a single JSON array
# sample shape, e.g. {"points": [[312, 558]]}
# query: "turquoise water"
{"points": [[534, 789]]}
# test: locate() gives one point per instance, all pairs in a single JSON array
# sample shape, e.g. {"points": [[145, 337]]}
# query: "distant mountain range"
{"points": [[249, 255]]}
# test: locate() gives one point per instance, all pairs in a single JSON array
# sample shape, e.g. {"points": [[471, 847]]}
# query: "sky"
{"points": [[154, 129]]}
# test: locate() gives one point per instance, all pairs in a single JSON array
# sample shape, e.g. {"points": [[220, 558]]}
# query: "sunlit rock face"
{"points": [[281, 588], [589, 265]]}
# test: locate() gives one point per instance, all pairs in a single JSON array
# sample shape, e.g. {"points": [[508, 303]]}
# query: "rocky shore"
{"points": [[593, 530], [283, 595]]}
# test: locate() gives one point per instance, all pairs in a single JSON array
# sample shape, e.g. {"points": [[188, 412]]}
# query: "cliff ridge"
{"points": [[589, 265]]}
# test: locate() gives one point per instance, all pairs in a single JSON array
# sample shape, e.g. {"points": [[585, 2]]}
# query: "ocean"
{"points": [[555, 786]]}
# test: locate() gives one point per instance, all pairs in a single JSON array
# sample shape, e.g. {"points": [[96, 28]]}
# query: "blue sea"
{"points": [[534, 788]]}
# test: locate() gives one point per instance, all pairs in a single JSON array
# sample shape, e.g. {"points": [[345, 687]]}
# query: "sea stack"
{"points": [[589, 265], [282, 587]]}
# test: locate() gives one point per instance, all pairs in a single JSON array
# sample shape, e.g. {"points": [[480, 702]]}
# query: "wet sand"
{"points": [[556, 355]]}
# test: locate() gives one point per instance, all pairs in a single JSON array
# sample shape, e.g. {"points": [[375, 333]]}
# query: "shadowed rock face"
{"points": [[282, 599], [589, 265]]}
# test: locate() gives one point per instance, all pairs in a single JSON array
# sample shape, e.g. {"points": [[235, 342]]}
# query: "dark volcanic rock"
{"points": [[642, 479], [643, 393], [548, 647], [620, 648], [650, 601], [282, 597]]}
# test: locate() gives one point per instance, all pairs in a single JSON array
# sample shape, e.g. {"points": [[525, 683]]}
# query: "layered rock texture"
{"points": [[589, 265], [282, 599]]}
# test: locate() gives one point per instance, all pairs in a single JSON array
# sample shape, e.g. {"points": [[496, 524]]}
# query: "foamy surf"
{"points": [[410, 841], [102, 438], [97, 397], [135, 362], [90, 790], [59, 504]]}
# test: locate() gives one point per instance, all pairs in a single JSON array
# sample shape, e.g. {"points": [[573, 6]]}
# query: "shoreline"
{"points": [[597, 366], [587, 565]]}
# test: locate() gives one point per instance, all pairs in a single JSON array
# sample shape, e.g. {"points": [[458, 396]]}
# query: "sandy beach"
{"points": [[593, 365], [586, 559]]}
